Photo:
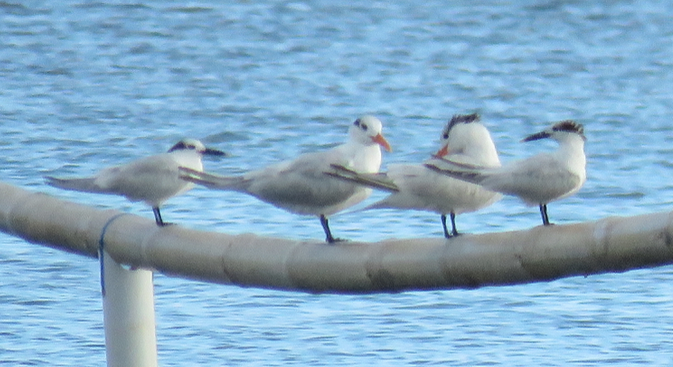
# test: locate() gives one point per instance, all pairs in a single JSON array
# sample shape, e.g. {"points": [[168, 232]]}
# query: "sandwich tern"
{"points": [[152, 180], [537, 180]]}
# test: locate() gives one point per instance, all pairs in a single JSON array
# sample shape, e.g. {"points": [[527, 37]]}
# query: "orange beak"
{"points": [[442, 152], [380, 140]]}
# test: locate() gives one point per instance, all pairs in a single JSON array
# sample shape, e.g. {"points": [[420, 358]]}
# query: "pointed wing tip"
{"points": [[352, 176], [432, 167], [55, 181], [189, 174], [341, 168]]}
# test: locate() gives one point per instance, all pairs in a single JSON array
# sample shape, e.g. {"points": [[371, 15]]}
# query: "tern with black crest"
{"points": [[152, 180], [537, 180], [300, 186]]}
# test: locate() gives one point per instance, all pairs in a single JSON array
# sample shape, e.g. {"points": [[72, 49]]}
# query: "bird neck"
{"points": [[188, 158], [572, 145], [571, 150], [364, 158], [484, 154]]}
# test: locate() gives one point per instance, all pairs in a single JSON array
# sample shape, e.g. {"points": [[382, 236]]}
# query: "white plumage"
{"points": [[413, 186], [152, 180], [537, 180], [300, 186]]}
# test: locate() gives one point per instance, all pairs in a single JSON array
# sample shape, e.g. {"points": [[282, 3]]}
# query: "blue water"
{"points": [[89, 84]]}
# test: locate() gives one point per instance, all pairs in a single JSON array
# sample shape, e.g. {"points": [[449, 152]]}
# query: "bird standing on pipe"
{"points": [[300, 186], [152, 180], [413, 186], [537, 180]]}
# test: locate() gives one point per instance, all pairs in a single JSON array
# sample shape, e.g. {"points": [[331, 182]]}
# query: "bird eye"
{"points": [[191, 147], [445, 136], [360, 124]]}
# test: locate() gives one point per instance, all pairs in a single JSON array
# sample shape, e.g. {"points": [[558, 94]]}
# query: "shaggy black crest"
{"points": [[569, 126], [179, 146], [460, 119]]}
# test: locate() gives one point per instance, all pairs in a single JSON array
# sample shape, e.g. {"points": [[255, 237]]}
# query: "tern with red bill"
{"points": [[412, 186], [152, 180], [537, 180], [300, 186]]}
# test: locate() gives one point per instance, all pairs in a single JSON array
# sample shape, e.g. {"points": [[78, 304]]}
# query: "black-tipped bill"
{"points": [[210, 151], [538, 136]]}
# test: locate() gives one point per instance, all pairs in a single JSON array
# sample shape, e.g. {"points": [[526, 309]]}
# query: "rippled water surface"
{"points": [[90, 84]]}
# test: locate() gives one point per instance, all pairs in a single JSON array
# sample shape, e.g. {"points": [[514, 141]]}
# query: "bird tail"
{"points": [[87, 184], [209, 180], [374, 180]]}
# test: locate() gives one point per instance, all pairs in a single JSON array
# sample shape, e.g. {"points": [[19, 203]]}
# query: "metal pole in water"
{"points": [[128, 312]]}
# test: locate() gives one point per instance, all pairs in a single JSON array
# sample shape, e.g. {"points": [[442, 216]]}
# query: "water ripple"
{"points": [[89, 84]]}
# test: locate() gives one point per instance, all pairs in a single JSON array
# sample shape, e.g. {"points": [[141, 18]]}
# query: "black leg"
{"points": [[157, 217], [453, 224], [328, 233], [454, 231], [446, 232], [545, 216]]}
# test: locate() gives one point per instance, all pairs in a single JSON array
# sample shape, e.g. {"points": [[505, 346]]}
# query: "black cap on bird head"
{"points": [[459, 119], [568, 126]]}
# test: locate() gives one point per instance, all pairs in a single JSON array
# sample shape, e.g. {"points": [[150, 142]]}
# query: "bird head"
{"points": [[559, 131], [367, 130], [465, 135], [195, 145]]}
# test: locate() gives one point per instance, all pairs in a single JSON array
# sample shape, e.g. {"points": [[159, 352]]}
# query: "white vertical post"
{"points": [[128, 311]]}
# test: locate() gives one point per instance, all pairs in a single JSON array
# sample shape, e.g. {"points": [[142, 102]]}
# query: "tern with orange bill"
{"points": [[300, 185], [413, 186]]}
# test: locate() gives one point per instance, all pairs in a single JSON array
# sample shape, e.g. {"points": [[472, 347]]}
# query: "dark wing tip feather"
{"points": [[472, 177]]}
